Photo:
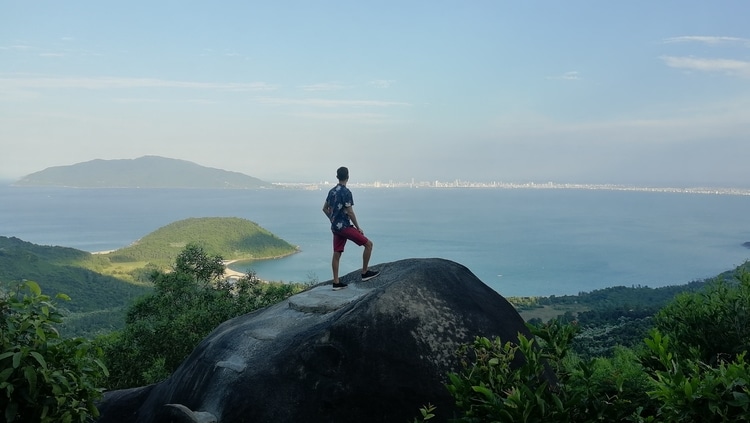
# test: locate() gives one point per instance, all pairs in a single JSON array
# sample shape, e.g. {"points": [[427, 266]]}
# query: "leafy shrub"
{"points": [[44, 378], [491, 388], [689, 390], [611, 388], [693, 367], [162, 328], [710, 326]]}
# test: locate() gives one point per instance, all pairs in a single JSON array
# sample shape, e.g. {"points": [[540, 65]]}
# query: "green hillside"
{"points": [[615, 316], [143, 172], [56, 270], [101, 286], [232, 238]]}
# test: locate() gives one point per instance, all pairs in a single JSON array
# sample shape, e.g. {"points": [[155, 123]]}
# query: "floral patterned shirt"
{"points": [[339, 198]]}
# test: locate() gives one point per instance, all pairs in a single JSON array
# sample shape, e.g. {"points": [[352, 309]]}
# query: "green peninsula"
{"points": [[232, 238]]}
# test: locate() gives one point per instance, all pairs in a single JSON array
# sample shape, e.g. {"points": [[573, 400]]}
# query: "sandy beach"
{"points": [[229, 273]]}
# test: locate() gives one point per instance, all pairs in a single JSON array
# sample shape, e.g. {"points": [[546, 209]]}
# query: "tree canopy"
{"points": [[188, 302]]}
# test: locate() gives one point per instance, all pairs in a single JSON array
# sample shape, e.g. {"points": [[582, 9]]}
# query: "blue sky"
{"points": [[652, 93]]}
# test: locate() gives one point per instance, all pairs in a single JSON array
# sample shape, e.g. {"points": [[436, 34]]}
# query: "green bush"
{"points": [[693, 367], [44, 378], [162, 328], [692, 391], [491, 388], [710, 326]]}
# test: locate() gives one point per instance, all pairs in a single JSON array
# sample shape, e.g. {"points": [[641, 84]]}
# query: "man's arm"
{"points": [[327, 209], [350, 212]]}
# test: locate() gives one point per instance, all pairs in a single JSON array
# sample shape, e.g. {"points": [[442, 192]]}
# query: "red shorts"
{"points": [[351, 233]]}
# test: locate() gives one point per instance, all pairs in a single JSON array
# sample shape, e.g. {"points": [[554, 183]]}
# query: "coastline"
{"points": [[229, 272]]}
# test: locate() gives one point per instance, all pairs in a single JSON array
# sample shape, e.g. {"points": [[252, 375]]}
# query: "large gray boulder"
{"points": [[374, 352]]}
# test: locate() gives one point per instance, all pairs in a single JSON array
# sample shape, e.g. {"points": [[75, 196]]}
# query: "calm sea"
{"points": [[518, 241]]}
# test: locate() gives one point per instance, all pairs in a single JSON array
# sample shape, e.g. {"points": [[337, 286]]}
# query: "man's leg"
{"points": [[360, 239], [335, 265], [366, 256]]}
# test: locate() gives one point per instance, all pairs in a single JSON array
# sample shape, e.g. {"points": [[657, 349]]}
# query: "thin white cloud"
{"points": [[351, 117], [136, 100], [17, 47], [52, 54], [729, 66], [569, 76], [320, 102], [382, 83], [202, 101], [324, 86], [710, 40], [117, 83]]}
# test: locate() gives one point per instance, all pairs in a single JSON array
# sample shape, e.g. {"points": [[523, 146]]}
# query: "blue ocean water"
{"points": [[518, 241]]}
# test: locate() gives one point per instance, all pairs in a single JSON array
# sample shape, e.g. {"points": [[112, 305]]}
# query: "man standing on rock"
{"points": [[339, 207]]}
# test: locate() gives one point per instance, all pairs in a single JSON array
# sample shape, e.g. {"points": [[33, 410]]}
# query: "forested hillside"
{"points": [[611, 317], [55, 270], [97, 301]]}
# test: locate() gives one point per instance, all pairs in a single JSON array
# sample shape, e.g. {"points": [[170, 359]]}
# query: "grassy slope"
{"points": [[232, 238]]}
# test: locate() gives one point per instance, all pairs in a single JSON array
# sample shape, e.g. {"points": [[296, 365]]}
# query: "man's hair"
{"points": [[342, 173]]}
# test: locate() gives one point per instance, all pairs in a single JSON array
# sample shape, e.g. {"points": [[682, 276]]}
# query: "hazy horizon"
{"points": [[385, 182], [631, 93]]}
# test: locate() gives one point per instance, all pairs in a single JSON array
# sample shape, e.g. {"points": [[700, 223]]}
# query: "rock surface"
{"points": [[374, 352]]}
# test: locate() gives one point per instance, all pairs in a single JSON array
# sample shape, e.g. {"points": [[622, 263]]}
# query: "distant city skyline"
{"points": [[630, 93], [522, 185]]}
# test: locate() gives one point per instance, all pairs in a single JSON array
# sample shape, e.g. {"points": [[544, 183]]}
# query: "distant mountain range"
{"points": [[143, 172]]}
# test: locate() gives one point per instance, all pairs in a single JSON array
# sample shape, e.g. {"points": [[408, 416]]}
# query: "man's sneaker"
{"points": [[339, 285], [369, 275]]}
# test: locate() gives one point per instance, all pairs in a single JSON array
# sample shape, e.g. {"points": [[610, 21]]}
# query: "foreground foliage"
{"points": [[692, 366], [44, 378], [187, 303]]}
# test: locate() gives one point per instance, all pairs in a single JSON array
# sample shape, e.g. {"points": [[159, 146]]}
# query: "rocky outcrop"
{"points": [[374, 352]]}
